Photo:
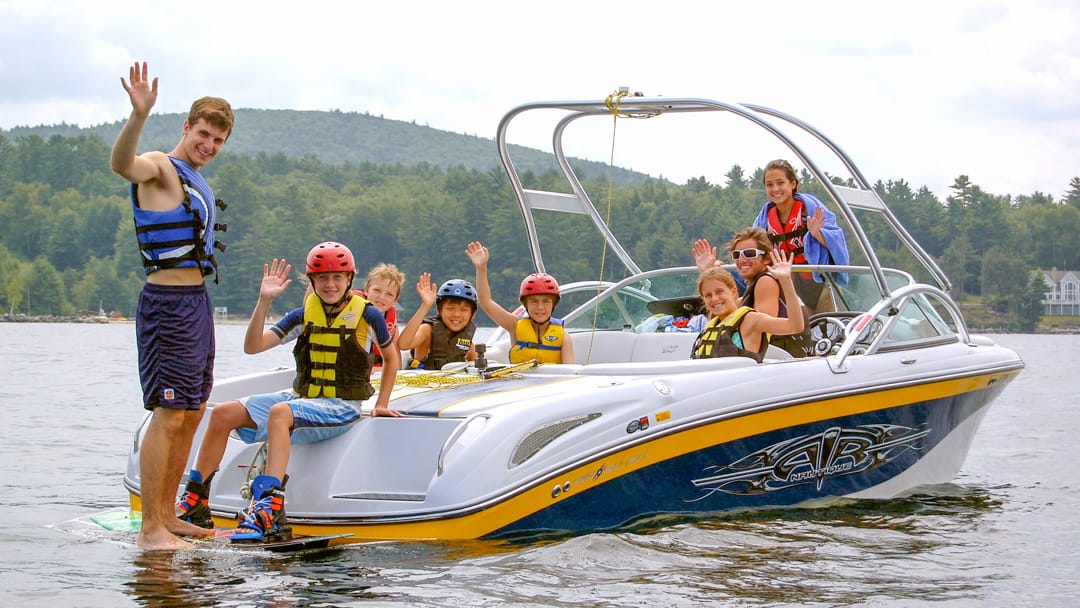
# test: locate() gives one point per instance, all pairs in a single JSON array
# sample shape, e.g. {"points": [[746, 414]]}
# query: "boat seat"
{"points": [[677, 347], [628, 347], [775, 353], [603, 346], [664, 346]]}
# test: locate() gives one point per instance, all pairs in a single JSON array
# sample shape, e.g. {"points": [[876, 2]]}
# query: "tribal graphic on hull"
{"points": [[835, 452]]}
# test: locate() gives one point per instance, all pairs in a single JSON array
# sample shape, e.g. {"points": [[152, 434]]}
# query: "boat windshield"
{"points": [[665, 300]]}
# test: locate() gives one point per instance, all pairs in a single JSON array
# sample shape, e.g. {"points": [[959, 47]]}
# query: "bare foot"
{"points": [[162, 541], [180, 527]]}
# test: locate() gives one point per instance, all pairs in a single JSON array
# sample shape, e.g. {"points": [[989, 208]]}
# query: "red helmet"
{"points": [[330, 257], [539, 283]]}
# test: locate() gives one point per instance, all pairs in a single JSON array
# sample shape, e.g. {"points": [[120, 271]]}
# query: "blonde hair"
{"points": [[386, 271], [717, 273]]}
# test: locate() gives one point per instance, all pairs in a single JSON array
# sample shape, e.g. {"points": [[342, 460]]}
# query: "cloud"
{"points": [[922, 91]]}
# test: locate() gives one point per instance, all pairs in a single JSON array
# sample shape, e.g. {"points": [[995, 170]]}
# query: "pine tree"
{"points": [[1072, 197], [1029, 310]]}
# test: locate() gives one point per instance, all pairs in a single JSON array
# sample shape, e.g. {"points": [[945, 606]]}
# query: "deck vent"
{"points": [[536, 440]]}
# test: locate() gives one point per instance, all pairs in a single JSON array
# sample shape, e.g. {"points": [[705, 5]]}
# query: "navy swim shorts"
{"points": [[174, 327]]}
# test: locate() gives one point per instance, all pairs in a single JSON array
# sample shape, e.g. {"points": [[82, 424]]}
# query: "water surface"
{"points": [[1004, 533]]}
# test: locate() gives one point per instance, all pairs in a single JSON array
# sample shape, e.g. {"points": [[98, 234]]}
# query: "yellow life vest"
{"points": [[545, 349], [330, 357]]}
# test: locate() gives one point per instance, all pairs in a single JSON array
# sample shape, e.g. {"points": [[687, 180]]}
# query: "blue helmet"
{"points": [[456, 288]]}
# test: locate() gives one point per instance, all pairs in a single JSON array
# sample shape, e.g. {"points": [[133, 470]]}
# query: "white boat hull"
{"points": [[595, 447]]}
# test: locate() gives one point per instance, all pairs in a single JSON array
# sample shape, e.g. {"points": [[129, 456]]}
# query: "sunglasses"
{"points": [[749, 254]]}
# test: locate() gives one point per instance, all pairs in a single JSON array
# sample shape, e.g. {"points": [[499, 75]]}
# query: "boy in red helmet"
{"points": [[537, 335], [332, 376]]}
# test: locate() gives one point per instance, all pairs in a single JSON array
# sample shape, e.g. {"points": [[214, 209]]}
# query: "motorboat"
{"points": [[636, 431]]}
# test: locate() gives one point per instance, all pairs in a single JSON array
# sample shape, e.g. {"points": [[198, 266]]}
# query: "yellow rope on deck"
{"points": [[435, 379], [440, 379]]}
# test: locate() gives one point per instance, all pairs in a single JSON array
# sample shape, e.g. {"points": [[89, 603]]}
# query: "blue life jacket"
{"points": [[182, 237]]}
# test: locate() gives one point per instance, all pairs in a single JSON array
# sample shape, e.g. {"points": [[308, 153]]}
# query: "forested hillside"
{"points": [[335, 138], [414, 196]]}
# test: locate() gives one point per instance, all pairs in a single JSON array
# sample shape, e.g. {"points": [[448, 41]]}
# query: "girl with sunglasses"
{"points": [[750, 250], [735, 329]]}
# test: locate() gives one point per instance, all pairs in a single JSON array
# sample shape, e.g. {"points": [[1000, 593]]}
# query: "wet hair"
{"points": [[386, 271], [788, 170], [752, 232], [719, 274], [213, 110]]}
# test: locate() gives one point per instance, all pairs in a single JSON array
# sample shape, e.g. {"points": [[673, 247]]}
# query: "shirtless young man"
{"points": [[174, 212]]}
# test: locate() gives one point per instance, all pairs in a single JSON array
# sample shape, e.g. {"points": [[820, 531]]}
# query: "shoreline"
{"points": [[22, 318]]}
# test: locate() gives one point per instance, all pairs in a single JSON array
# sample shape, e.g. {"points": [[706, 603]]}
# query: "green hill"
{"points": [[337, 137]]}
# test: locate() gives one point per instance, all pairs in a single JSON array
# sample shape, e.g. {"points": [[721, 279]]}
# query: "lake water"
{"points": [[1004, 533]]}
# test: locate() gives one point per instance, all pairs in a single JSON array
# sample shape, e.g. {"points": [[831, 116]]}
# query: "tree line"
{"points": [[67, 243]]}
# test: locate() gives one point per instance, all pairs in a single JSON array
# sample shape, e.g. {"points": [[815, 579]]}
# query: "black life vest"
{"points": [[799, 345], [722, 338], [447, 346]]}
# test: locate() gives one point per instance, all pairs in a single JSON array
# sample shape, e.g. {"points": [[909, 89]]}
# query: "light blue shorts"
{"points": [[313, 419]]}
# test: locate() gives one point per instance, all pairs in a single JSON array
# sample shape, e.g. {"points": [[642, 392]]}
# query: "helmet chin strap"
{"points": [[329, 307]]}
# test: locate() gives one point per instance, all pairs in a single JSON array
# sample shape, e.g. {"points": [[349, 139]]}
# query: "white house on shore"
{"points": [[1062, 297]]}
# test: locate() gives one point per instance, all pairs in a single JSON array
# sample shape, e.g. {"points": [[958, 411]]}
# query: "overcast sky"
{"points": [[916, 90]]}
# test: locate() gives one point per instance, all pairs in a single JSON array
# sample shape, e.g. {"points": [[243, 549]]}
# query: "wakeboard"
{"points": [[296, 543], [677, 307], [127, 521]]}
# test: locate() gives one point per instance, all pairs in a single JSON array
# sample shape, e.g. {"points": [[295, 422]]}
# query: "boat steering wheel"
{"points": [[828, 329]]}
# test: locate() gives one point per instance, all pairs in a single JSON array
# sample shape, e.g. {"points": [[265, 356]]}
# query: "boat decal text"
{"points": [[835, 452], [594, 476]]}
